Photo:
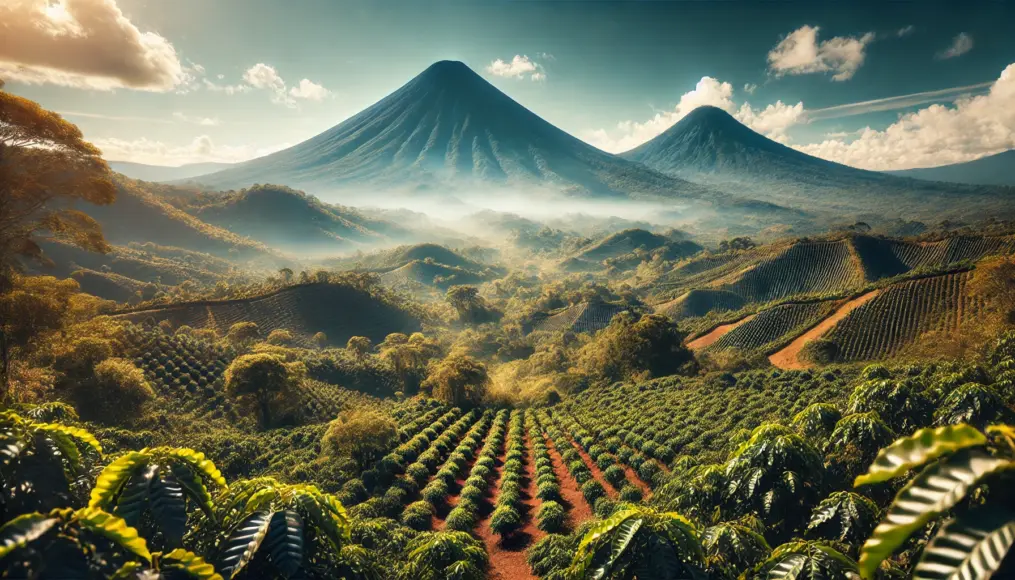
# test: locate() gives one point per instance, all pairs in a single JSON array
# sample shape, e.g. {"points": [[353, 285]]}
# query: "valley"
{"points": [[446, 339]]}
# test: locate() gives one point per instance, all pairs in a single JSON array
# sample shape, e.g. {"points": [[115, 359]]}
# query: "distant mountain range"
{"points": [[162, 172], [709, 146], [448, 125], [996, 169]]}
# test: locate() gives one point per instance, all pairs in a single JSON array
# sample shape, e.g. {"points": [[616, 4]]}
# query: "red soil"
{"points": [[718, 332], [578, 510], [789, 357], [507, 559], [635, 479]]}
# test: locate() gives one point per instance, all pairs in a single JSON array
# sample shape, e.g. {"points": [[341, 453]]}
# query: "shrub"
{"points": [[280, 337], [243, 332], [592, 490], [551, 517], [631, 494], [614, 475], [505, 520], [119, 391], [462, 518], [548, 491], [418, 516]]}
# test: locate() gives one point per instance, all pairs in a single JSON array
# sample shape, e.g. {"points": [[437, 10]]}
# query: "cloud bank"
{"points": [[201, 149], [86, 44]]}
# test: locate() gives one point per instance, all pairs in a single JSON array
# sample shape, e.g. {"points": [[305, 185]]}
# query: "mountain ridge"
{"points": [[997, 169]]}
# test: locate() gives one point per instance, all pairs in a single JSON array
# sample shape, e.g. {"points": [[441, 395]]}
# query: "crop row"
{"points": [[673, 417], [552, 516], [769, 326], [606, 461], [591, 489], [401, 482], [804, 268], [900, 314], [466, 513], [419, 515], [509, 511]]}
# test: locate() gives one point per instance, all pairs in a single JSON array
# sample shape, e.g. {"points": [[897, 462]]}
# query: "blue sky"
{"points": [[195, 80]]}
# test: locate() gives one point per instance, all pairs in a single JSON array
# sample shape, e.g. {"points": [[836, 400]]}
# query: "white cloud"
{"points": [[936, 135], [265, 77], [519, 67], [749, 88], [201, 149], [799, 52], [773, 120], [961, 44], [309, 90], [262, 76], [905, 31], [203, 121], [227, 89], [85, 44]]}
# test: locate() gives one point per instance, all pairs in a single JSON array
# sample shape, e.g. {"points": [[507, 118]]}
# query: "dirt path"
{"points": [[788, 358], [507, 559], [707, 340], [578, 510]]}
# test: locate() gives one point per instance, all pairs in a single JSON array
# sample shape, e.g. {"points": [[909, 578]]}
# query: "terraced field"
{"points": [[773, 326], [804, 268], [581, 317], [338, 311], [699, 303], [901, 313]]}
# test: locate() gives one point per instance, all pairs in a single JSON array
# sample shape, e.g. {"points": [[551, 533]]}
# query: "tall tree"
{"points": [[46, 167]]}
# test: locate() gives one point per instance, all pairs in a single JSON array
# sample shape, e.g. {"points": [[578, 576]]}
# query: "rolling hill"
{"points": [[996, 169], [394, 258], [812, 268], [711, 147], [138, 215], [285, 218], [625, 243], [146, 172], [448, 126], [337, 310]]}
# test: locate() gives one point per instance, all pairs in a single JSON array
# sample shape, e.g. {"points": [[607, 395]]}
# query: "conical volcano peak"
{"points": [[449, 72], [707, 112]]}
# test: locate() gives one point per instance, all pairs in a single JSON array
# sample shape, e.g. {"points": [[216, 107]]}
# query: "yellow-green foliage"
{"points": [[119, 392], [263, 383], [361, 434], [458, 380]]}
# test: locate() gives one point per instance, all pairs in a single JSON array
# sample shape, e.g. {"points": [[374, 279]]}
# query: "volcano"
{"points": [[709, 146], [449, 126]]}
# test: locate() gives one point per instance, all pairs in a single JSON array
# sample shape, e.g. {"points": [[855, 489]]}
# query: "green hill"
{"points": [[140, 215], [287, 219], [617, 246], [338, 310]]}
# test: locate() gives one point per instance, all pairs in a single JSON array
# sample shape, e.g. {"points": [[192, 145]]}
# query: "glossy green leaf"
{"points": [[285, 542], [968, 548], [936, 489], [923, 446], [23, 530], [169, 508], [191, 564], [114, 529], [112, 479], [242, 544], [133, 500]]}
